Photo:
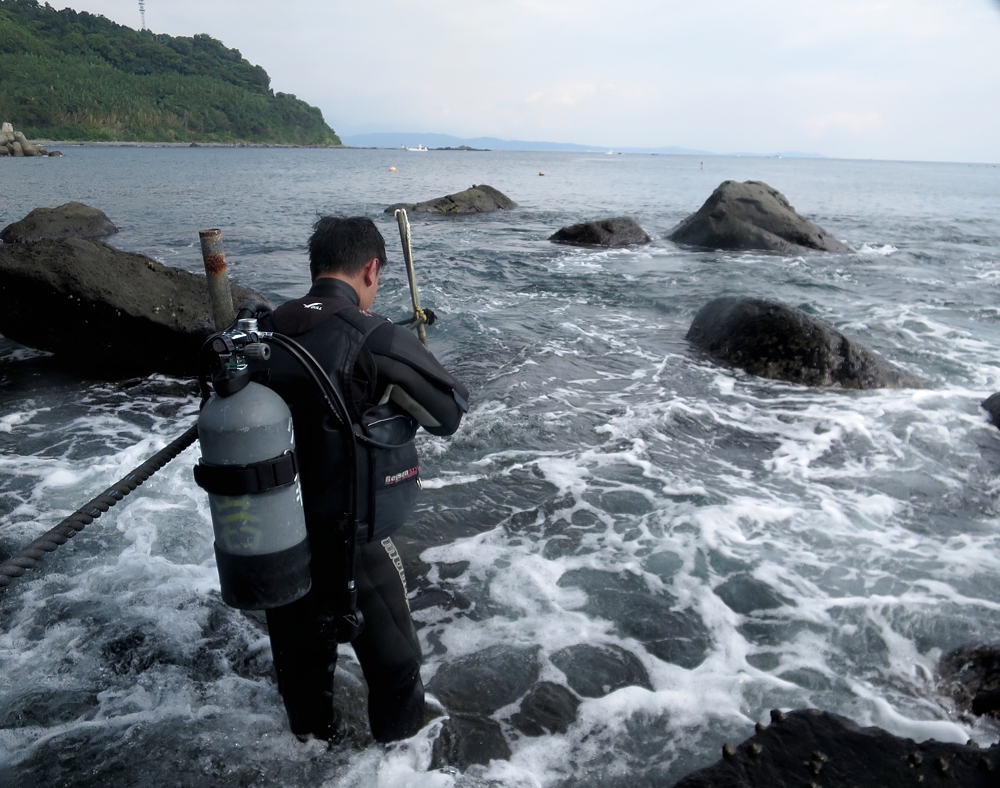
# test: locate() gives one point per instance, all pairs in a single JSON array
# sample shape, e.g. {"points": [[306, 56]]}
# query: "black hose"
{"points": [[28, 557]]}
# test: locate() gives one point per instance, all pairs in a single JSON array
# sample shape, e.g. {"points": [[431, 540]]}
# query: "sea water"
{"points": [[725, 544]]}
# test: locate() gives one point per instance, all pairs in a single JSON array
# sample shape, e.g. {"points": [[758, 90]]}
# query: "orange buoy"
{"points": [[392, 169]]}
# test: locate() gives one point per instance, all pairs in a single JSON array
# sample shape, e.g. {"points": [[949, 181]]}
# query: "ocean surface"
{"points": [[681, 547]]}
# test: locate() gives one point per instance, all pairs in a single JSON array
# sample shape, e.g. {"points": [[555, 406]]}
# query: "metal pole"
{"points": [[219, 292], [404, 236]]}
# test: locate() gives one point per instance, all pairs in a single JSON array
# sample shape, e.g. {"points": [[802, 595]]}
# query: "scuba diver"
{"points": [[359, 475]]}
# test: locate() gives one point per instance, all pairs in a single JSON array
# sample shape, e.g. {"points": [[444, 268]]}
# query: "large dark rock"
{"points": [[467, 739], [992, 406], [106, 310], [971, 675], [619, 231], [752, 215], [487, 680], [72, 220], [816, 748], [774, 340], [477, 199]]}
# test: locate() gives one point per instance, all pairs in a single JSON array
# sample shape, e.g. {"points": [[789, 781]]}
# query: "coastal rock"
{"points": [[618, 231], [813, 748], [774, 340], [477, 199], [752, 215], [105, 310], [71, 220], [971, 676], [992, 406]]}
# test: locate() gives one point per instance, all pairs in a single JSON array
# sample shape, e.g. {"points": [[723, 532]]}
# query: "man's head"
{"points": [[344, 246], [350, 249]]}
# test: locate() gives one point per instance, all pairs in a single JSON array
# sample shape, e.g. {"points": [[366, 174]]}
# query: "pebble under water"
{"points": [[626, 556]]}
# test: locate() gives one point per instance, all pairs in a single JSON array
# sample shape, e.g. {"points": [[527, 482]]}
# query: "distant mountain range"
{"points": [[398, 139]]}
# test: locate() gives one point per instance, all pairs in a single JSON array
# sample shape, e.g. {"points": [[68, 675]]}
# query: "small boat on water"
{"points": [[420, 148]]}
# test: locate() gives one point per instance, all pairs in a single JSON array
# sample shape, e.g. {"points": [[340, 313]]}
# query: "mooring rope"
{"points": [[28, 557]]}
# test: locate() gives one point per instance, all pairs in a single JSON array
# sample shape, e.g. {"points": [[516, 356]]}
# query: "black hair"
{"points": [[343, 245]]}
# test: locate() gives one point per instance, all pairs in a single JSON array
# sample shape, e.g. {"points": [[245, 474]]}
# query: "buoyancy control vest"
{"points": [[334, 330]]}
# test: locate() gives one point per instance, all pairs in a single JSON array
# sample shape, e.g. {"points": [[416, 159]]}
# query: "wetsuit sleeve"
{"points": [[420, 385]]}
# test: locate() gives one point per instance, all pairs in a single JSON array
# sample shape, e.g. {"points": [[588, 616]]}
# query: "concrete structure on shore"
{"points": [[14, 143]]}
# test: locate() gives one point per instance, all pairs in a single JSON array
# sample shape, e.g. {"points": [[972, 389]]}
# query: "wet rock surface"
{"points": [[774, 340], [596, 671], [483, 682], [752, 215], [70, 220], [476, 199], [971, 675], [676, 636], [468, 739], [992, 406], [548, 708], [617, 231], [807, 748], [104, 310]]}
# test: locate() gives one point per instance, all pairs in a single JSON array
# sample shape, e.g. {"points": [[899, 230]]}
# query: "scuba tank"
{"points": [[249, 470]]}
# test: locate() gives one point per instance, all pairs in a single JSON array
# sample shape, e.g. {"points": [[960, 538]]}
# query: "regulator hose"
{"points": [[28, 557]]}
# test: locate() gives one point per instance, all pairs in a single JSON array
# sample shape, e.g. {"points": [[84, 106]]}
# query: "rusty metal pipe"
{"points": [[219, 291]]}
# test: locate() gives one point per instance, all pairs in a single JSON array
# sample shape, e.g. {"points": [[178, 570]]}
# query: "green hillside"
{"points": [[69, 75]]}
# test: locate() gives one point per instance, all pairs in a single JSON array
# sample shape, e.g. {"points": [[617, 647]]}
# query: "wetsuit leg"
{"points": [[388, 648], [304, 660]]}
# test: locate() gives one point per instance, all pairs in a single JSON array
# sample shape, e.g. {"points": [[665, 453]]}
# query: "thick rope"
{"points": [[404, 237], [28, 557]]}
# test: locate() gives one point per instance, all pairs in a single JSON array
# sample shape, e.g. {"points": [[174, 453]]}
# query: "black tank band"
{"points": [[243, 479]]}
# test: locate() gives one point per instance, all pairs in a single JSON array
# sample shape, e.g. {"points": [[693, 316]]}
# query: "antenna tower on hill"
{"points": [[142, 13]]}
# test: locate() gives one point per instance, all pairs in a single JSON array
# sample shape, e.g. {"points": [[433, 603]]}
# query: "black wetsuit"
{"points": [[303, 634]]}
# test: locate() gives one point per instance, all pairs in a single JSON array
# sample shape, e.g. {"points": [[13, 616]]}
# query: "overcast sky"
{"points": [[888, 79]]}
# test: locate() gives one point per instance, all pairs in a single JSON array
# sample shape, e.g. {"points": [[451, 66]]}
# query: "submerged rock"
{"points": [[477, 199], [676, 636], [71, 220], [467, 739], [752, 215], [109, 311], [487, 680], [594, 671], [548, 708], [618, 231], [773, 340], [744, 594], [813, 748]]}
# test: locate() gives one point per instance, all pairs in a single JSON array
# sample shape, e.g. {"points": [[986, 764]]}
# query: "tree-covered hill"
{"points": [[71, 75]]}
